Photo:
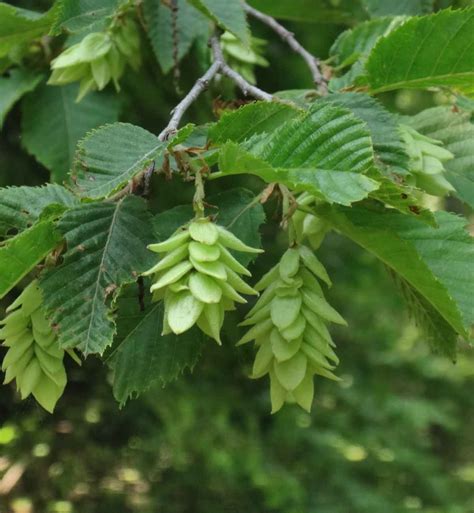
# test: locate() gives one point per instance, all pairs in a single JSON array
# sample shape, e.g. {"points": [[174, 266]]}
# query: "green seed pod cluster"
{"points": [[241, 58], [99, 58], [308, 227], [426, 161], [288, 324], [198, 277], [34, 358]]}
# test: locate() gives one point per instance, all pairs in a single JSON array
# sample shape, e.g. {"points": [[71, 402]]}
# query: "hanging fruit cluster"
{"points": [[34, 358], [289, 328], [426, 161], [198, 277], [99, 58]]}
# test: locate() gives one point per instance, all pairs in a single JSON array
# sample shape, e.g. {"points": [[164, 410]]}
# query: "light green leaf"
{"points": [[388, 144], [20, 255], [227, 15], [109, 157], [20, 207], [455, 130], [53, 123], [145, 357], [19, 26], [377, 8], [428, 51], [106, 248], [13, 86], [249, 120], [190, 25], [333, 186], [436, 262]]}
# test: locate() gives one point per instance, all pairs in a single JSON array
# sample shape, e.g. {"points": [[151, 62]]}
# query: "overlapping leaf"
{"points": [[377, 8], [19, 255], [190, 25], [109, 157], [434, 50], [20, 207], [250, 120], [334, 186], [455, 130], [53, 123], [353, 47], [78, 15], [106, 248], [436, 262]]}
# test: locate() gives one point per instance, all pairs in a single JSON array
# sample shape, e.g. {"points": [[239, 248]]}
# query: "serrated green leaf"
{"points": [[190, 25], [455, 130], [78, 15], [13, 86], [145, 357], [227, 15], [441, 336], [111, 156], [353, 47], [436, 262], [19, 26], [20, 255], [388, 145], [377, 8], [333, 186], [326, 137], [53, 123], [250, 120], [425, 52], [106, 249], [20, 207]]}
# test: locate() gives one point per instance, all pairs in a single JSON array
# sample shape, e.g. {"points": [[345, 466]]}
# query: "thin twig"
{"points": [[178, 112], [289, 38], [247, 88]]}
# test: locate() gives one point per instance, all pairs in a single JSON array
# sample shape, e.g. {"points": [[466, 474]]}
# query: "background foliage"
{"points": [[395, 435]]}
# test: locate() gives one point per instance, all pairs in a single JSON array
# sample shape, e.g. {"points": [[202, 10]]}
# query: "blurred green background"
{"points": [[395, 436]]}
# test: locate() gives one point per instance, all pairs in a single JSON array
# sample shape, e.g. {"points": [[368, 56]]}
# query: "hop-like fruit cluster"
{"points": [[34, 358], [426, 161], [308, 227], [99, 58], [289, 327], [198, 277], [241, 58]]}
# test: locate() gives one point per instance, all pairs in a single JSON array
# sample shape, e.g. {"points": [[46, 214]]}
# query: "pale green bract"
{"points": [[308, 227], [426, 161], [288, 325], [99, 58], [198, 277], [34, 358]]}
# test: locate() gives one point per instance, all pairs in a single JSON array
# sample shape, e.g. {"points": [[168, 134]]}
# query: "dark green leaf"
{"points": [[106, 249], [53, 123], [111, 156], [78, 15], [20, 207], [13, 86], [190, 25]]}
